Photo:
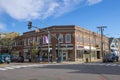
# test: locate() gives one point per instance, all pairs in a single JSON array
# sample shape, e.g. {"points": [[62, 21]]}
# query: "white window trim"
{"points": [[66, 38], [60, 37]]}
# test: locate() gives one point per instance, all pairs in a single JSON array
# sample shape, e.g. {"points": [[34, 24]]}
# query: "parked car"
{"points": [[20, 59], [14, 58], [111, 57], [3, 56], [17, 59]]}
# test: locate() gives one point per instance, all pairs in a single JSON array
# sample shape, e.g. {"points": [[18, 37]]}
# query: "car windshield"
{"points": [[108, 55]]}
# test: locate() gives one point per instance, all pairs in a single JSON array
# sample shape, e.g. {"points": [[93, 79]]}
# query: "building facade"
{"points": [[70, 43]]}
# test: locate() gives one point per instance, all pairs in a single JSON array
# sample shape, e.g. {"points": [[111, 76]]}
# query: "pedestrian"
{"points": [[7, 59]]}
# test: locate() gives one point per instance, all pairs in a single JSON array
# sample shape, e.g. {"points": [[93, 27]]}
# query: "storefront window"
{"points": [[79, 54]]}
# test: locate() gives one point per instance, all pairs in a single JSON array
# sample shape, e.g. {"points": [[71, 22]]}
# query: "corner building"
{"points": [[75, 43]]}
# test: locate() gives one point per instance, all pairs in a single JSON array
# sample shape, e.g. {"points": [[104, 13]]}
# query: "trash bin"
{"points": [[86, 60]]}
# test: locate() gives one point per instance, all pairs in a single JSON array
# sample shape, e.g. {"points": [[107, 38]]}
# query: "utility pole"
{"points": [[90, 45], [48, 46], [101, 28]]}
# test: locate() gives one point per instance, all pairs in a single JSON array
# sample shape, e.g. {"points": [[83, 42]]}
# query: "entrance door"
{"points": [[64, 56], [98, 54]]}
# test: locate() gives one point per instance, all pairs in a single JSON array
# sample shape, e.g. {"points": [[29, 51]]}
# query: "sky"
{"points": [[88, 14]]}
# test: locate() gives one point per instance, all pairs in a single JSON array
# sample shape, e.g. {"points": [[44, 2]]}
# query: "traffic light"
{"points": [[29, 25]]}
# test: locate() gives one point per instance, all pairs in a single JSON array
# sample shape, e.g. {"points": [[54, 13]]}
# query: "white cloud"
{"points": [[2, 26], [39, 9], [91, 2]]}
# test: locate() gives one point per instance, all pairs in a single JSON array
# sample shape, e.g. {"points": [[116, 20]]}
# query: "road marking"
{"points": [[8, 68], [3, 69], [119, 65], [39, 65], [113, 64], [102, 64], [107, 64], [21, 66]]}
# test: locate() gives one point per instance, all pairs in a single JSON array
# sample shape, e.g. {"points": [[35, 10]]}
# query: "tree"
{"points": [[34, 50], [8, 39]]}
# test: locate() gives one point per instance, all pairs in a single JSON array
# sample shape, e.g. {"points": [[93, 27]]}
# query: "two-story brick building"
{"points": [[76, 43]]}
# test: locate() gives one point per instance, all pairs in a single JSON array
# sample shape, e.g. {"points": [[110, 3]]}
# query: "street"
{"points": [[83, 71]]}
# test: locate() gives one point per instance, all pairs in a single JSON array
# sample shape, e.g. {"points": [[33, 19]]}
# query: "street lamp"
{"points": [[49, 34]]}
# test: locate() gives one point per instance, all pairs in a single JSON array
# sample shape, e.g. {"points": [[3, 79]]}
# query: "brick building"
{"points": [[76, 43]]}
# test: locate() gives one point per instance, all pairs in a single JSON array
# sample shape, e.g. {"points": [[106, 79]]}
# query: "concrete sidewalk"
{"points": [[2, 65]]}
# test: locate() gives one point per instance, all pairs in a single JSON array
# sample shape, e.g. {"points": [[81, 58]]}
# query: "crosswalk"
{"points": [[103, 64], [42, 65], [20, 66], [24, 66]]}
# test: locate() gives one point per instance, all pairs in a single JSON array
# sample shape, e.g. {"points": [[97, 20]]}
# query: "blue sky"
{"points": [[89, 14]]}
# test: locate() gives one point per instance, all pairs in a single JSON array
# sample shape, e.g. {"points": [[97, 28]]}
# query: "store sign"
{"points": [[80, 47]]}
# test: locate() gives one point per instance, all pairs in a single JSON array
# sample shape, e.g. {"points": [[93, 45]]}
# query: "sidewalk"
{"points": [[10, 64], [28, 63], [1, 65]]}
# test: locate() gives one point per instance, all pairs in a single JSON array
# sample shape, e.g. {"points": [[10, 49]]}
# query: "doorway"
{"points": [[64, 56], [98, 54]]}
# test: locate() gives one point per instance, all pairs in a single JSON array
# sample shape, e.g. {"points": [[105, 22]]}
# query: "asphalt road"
{"points": [[63, 72]]}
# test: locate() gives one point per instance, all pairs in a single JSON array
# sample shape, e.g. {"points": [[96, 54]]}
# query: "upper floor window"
{"points": [[24, 42], [49, 38], [77, 38], [60, 38], [44, 39], [34, 39], [28, 41], [81, 39], [38, 40], [68, 38]]}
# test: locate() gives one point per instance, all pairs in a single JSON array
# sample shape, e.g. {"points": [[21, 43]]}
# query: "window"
{"points": [[77, 38], [81, 39], [68, 38], [85, 40], [49, 37], [44, 39], [34, 39], [38, 40], [60, 38], [24, 42], [79, 54], [29, 41]]}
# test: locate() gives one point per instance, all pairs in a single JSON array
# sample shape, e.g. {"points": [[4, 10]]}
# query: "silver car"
{"points": [[110, 57]]}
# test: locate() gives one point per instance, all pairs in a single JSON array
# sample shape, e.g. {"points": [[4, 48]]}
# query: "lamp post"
{"points": [[101, 28], [49, 34]]}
